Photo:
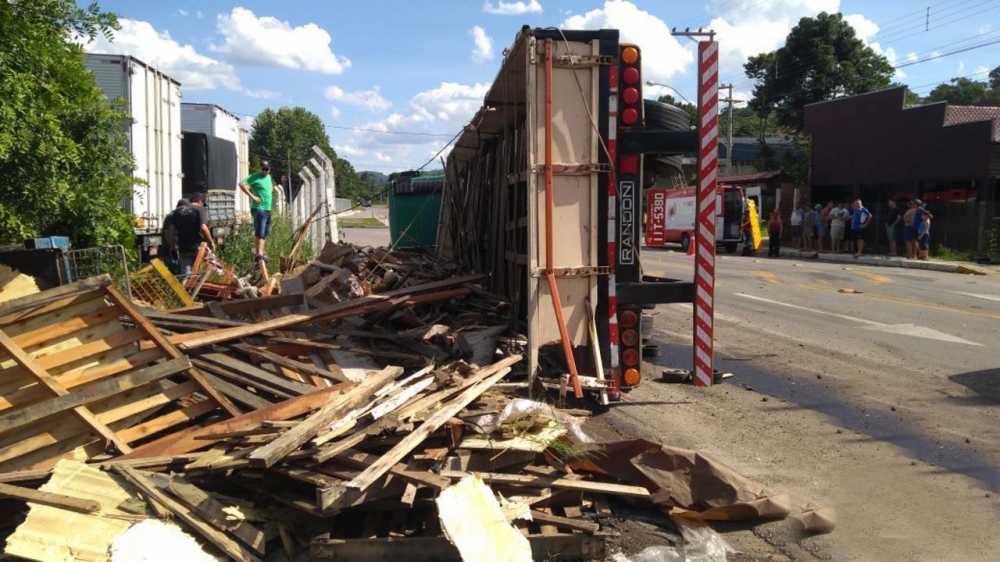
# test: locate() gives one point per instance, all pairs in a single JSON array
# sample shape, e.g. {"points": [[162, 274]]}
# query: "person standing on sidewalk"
{"points": [[774, 232], [859, 224], [892, 221], [797, 226], [808, 227], [258, 187], [910, 230], [821, 226], [838, 221], [924, 236]]}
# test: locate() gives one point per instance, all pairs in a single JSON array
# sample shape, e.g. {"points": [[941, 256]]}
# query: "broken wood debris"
{"points": [[359, 414]]}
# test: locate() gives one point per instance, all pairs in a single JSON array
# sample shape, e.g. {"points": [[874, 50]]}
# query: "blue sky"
{"points": [[395, 79]]}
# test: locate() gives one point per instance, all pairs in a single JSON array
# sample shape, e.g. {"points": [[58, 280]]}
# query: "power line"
{"points": [[950, 53]]}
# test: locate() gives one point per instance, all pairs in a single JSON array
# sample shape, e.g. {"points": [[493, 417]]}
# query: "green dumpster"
{"points": [[414, 209]]}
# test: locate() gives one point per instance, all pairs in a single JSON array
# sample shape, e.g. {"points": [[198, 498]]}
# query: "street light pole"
{"points": [[651, 83]]}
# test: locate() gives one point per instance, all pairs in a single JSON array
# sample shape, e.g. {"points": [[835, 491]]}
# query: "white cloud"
{"points": [[432, 117], [864, 28], [199, 13], [512, 8], [663, 55], [348, 150], [334, 112], [912, 57], [368, 100], [268, 41], [182, 12], [981, 69], [483, 50], [182, 62], [961, 66], [983, 30], [744, 32], [262, 94]]}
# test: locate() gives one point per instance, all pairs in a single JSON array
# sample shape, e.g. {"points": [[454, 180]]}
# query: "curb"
{"points": [[877, 261]]}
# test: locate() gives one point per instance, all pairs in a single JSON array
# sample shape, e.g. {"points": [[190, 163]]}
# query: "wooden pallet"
{"points": [[76, 383]]}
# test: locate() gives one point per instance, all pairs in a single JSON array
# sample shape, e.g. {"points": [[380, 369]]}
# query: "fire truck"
{"points": [[670, 216], [544, 193]]}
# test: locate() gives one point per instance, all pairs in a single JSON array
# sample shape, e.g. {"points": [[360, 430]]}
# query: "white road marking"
{"points": [[899, 329], [813, 310], [982, 296], [920, 332]]}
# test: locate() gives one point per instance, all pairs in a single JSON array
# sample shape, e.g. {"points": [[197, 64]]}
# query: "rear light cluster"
{"points": [[631, 84], [628, 319]]}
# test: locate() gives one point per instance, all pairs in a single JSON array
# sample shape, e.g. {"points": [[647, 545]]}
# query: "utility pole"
{"points": [[729, 143]]}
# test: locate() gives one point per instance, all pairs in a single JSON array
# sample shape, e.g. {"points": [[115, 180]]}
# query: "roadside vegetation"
{"points": [[238, 248]]}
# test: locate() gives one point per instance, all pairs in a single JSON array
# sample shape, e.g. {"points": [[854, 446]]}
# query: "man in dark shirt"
{"points": [[186, 232], [892, 221], [164, 251]]}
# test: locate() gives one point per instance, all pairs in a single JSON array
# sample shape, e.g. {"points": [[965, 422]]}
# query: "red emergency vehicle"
{"points": [[670, 216]]}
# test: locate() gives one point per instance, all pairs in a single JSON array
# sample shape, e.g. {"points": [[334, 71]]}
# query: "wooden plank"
{"points": [[83, 396], [167, 421], [338, 310], [560, 483], [292, 364], [564, 522], [48, 333], [551, 548], [276, 450], [36, 300], [213, 512], [213, 337], [50, 499], [195, 438], [88, 350], [360, 460], [230, 547], [46, 380], [484, 378], [237, 393], [257, 374], [237, 378], [168, 349]]}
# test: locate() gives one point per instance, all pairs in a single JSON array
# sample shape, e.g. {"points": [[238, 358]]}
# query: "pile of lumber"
{"points": [[365, 415]]}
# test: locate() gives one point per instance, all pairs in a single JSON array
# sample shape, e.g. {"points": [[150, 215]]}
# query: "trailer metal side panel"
{"points": [[243, 170], [153, 102]]}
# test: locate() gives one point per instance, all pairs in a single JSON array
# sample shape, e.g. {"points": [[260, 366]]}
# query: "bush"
{"points": [[238, 248], [947, 254]]}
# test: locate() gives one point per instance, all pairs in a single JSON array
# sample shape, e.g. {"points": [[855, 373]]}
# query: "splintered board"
{"points": [[75, 382]]}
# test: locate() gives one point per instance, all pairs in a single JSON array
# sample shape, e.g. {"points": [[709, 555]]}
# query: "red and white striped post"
{"points": [[708, 163]]}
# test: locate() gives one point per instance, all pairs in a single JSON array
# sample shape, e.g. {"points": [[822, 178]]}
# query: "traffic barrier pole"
{"points": [[708, 163]]}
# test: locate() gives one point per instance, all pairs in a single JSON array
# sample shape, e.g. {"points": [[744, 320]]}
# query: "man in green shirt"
{"points": [[258, 188]]}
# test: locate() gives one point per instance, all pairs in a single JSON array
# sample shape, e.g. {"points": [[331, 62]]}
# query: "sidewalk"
{"points": [[885, 261]]}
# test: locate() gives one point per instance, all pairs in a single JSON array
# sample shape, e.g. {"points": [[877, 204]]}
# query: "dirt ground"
{"points": [[891, 504]]}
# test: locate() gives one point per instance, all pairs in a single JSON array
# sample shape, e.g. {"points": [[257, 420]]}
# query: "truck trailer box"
{"points": [[153, 100], [544, 192], [211, 119]]}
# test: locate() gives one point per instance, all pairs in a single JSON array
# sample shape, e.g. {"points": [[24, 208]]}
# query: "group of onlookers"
{"points": [[847, 227]]}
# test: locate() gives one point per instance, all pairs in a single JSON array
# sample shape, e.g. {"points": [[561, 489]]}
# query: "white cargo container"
{"points": [[214, 120], [154, 102]]}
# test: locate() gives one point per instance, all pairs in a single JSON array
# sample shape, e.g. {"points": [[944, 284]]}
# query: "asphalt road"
{"points": [[875, 391]]}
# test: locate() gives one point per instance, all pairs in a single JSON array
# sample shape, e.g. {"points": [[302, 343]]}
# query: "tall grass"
{"points": [[238, 249]]}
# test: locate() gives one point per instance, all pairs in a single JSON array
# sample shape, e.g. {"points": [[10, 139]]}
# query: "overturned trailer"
{"points": [[544, 193]]}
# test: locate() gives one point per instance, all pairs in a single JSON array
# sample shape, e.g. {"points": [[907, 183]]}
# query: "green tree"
{"points": [[64, 153], [909, 97], [995, 78], [285, 138], [822, 59], [963, 91]]}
